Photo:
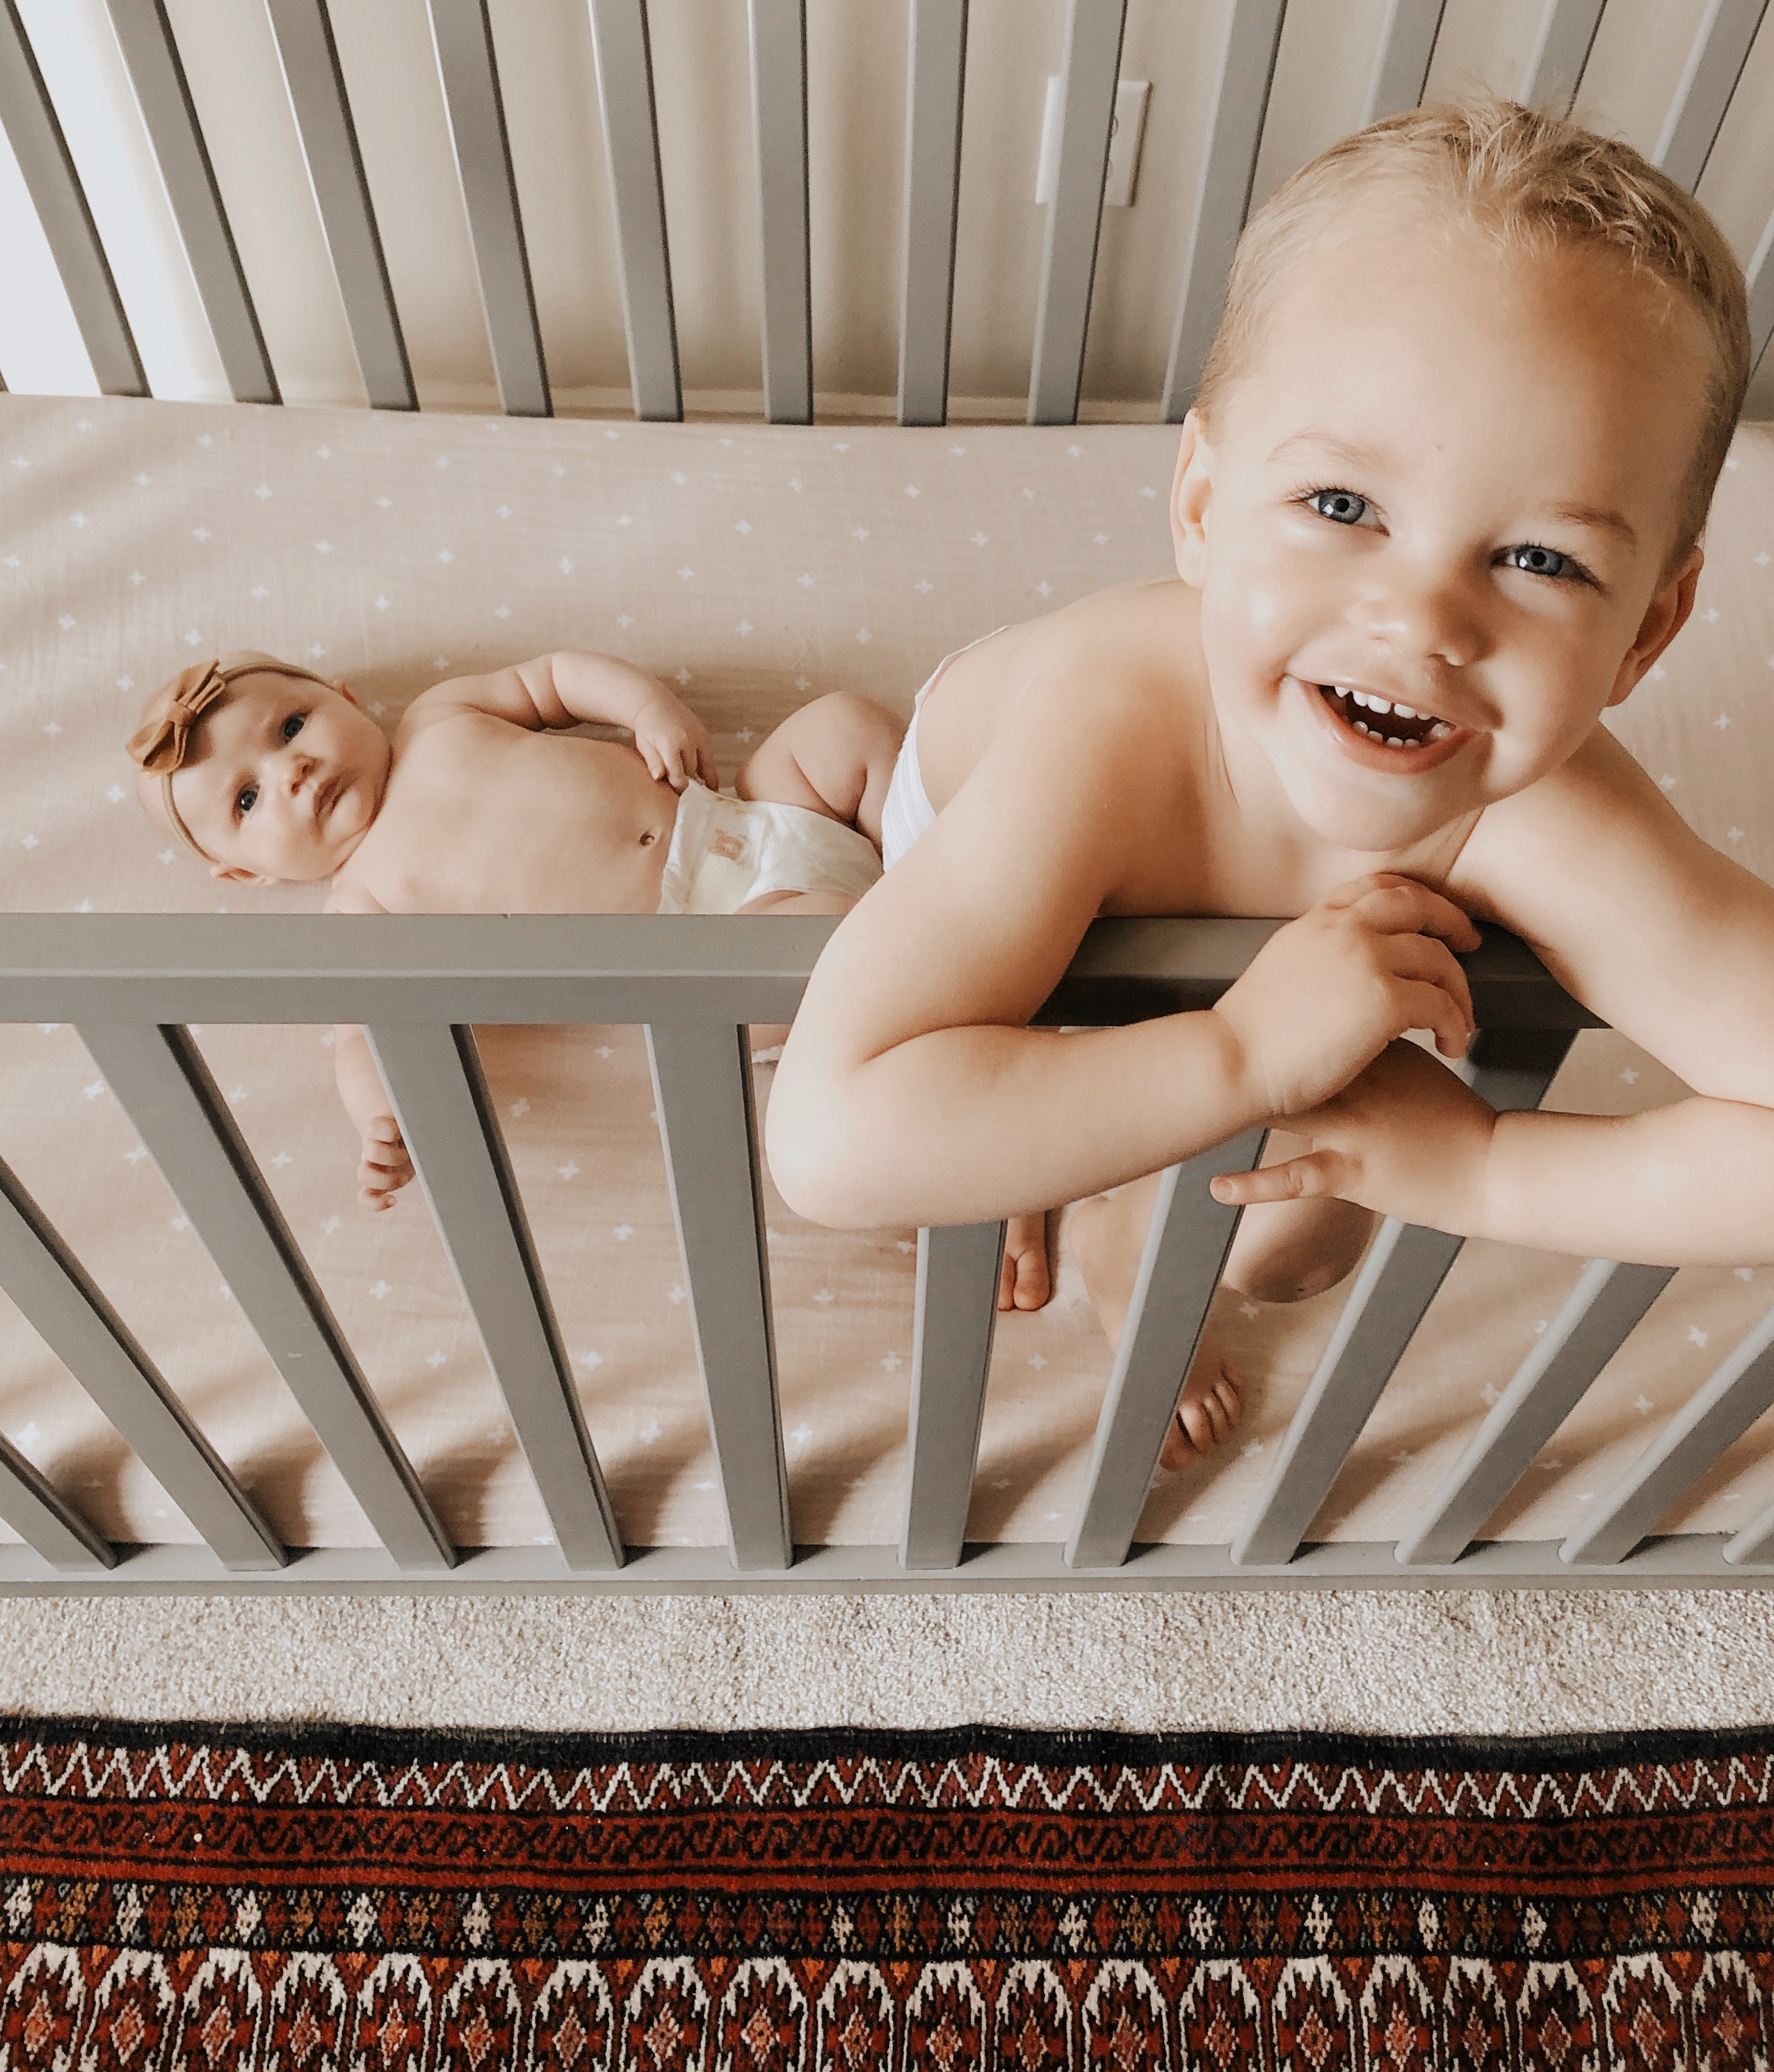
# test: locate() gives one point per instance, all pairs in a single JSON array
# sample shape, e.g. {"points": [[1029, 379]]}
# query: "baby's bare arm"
{"points": [[563, 688], [910, 1090], [1671, 943], [384, 1166]]}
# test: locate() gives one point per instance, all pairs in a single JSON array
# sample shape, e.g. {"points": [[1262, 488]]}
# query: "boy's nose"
{"points": [[1427, 616]]}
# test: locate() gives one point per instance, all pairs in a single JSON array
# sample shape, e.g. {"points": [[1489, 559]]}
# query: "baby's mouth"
{"points": [[1386, 724]]}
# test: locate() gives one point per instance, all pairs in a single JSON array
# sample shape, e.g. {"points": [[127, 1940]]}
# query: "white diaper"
{"points": [[725, 852], [907, 811]]}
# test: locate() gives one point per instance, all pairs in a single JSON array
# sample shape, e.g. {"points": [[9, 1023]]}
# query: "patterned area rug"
{"points": [[337, 1897]]}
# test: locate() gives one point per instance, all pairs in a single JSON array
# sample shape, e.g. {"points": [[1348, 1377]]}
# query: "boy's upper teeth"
{"points": [[1379, 705]]}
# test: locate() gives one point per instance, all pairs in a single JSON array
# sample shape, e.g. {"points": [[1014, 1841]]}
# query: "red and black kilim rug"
{"points": [[345, 1900]]}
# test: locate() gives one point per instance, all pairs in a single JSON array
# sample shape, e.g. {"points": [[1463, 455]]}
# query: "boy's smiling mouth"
{"points": [[1381, 733]]}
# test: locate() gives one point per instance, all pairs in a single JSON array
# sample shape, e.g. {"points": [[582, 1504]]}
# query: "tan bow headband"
{"points": [[161, 743]]}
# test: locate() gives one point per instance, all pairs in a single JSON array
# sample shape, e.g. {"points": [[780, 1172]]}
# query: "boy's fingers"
{"points": [[1414, 908], [1424, 964], [1292, 1181]]}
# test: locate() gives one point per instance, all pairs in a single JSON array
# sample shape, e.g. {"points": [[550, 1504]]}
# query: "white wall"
{"points": [[857, 59]]}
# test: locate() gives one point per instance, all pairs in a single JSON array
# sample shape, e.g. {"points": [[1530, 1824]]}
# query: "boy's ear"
{"points": [[1664, 617], [1191, 495], [345, 691]]}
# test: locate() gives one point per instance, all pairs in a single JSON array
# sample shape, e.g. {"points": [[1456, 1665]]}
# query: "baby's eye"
{"points": [[248, 799], [291, 726], [1342, 507], [1540, 561]]}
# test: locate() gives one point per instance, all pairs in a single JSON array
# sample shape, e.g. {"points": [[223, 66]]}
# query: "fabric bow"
{"points": [[159, 743]]}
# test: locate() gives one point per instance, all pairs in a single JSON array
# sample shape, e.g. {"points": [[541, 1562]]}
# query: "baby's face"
{"points": [[1450, 484], [288, 777]]}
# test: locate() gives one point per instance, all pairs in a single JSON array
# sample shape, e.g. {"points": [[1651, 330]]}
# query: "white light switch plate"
{"points": [[1126, 133]]}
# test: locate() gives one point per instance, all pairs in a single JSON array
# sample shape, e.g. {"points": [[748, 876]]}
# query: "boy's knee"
{"points": [[1285, 1280], [1290, 1252]]}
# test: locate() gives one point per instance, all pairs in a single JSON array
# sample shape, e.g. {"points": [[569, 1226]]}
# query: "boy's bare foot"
{"points": [[1108, 1234], [1026, 1281]]}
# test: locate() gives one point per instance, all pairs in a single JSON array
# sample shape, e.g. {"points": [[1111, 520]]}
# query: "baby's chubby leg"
{"points": [[834, 757], [1283, 1251]]}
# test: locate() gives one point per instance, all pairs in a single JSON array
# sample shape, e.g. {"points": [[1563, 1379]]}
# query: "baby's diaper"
{"points": [[725, 852]]}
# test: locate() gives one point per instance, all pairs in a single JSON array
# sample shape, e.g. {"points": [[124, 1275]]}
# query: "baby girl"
{"points": [[480, 803]]}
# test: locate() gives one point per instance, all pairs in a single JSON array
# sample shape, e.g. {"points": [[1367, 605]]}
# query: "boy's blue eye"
{"points": [[1538, 561], [291, 726], [1343, 506], [248, 799]]}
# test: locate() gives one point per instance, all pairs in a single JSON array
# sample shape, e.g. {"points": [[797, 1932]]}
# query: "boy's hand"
{"points": [[675, 744], [1326, 994], [384, 1168], [1405, 1137]]}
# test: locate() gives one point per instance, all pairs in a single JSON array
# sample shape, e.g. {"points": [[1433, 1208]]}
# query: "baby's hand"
{"points": [[1326, 994], [384, 1168], [675, 744]]}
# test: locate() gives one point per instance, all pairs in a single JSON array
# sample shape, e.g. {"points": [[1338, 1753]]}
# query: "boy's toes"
{"points": [[1025, 1281], [1210, 1412]]}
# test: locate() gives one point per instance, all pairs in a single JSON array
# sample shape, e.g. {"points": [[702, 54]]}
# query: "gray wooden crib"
{"points": [[132, 986]]}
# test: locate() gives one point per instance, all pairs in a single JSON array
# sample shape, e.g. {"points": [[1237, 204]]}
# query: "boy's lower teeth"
{"points": [[1438, 731]]}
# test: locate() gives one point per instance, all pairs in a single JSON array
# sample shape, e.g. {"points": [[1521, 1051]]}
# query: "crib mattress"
{"points": [[756, 567]]}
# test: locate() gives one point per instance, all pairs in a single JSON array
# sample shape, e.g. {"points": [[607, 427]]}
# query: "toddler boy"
{"points": [[1437, 508], [480, 805]]}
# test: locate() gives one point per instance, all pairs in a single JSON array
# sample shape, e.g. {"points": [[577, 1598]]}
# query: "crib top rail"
{"points": [[582, 967], [1209, 217]]}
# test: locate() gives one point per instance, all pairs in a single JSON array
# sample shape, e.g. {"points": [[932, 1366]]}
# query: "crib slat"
{"points": [[1399, 1280], [1760, 272], [160, 1078], [1187, 1241], [778, 89], [935, 78], [1240, 103], [1597, 1316], [1715, 62], [433, 1075], [1074, 222], [703, 1086], [35, 135], [146, 38], [46, 1522], [954, 1319], [1754, 1544], [463, 36], [1734, 1396], [1555, 67], [631, 149], [62, 1304], [316, 86], [1400, 65]]}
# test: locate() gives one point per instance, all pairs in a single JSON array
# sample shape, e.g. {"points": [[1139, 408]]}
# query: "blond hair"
{"points": [[1533, 183]]}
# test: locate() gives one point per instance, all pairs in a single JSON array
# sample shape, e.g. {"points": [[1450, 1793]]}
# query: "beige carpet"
{"points": [[1398, 1663]]}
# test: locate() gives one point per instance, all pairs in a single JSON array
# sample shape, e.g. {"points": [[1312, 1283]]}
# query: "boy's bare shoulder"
{"points": [[1656, 931]]}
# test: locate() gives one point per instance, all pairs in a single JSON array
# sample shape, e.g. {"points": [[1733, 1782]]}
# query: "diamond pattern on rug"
{"points": [[325, 1898]]}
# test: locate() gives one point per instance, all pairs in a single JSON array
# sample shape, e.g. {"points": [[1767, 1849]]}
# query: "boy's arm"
{"points": [[564, 688], [910, 1090], [1669, 942]]}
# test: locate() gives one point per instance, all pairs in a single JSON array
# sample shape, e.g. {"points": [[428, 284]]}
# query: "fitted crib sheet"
{"points": [[756, 567]]}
